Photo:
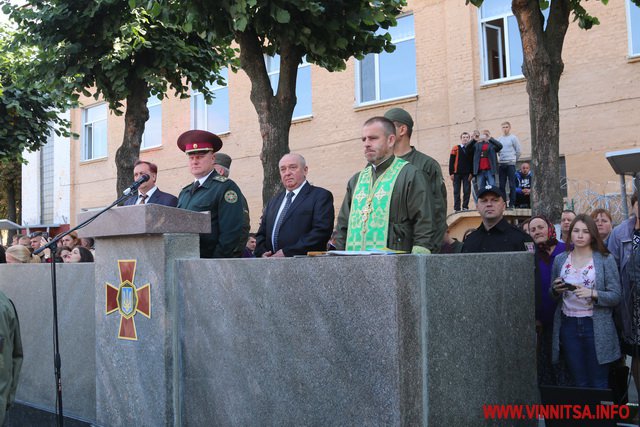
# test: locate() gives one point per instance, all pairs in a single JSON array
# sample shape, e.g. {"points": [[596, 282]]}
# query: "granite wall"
{"points": [[29, 286], [407, 340], [403, 340]]}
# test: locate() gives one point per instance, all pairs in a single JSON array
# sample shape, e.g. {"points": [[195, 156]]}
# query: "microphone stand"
{"points": [[51, 245]]}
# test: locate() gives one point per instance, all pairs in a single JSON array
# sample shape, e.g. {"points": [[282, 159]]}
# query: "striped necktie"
{"points": [[276, 231]]}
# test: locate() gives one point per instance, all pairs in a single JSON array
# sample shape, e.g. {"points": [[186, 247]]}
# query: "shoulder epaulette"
{"points": [[220, 178]]}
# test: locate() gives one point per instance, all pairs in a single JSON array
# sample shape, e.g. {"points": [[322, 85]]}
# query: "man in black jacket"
{"points": [[461, 172]]}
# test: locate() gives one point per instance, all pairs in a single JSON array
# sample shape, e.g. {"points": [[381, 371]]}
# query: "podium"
{"points": [[136, 311]]}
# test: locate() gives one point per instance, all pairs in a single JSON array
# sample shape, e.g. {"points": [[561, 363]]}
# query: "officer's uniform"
{"points": [[218, 195], [502, 237]]}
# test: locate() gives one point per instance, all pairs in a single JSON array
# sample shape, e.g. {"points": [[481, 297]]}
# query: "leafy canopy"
{"points": [[28, 106], [327, 32], [110, 47]]}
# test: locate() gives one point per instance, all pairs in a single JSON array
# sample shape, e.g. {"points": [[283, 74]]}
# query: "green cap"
{"points": [[223, 160], [399, 115]]}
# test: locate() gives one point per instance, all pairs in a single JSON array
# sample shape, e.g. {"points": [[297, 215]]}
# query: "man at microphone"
{"points": [[215, 193], [148, 192]]}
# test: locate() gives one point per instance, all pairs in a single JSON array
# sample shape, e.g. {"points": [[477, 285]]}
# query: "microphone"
{"points": [[135, 185]]}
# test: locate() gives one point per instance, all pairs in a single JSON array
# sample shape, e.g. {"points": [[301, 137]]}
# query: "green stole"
{"points": [[369, 216]]}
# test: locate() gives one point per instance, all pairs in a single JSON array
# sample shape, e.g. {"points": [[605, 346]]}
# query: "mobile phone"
{"points": [[569, 286]]}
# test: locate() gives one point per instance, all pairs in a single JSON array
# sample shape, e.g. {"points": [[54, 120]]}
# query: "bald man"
{"points": [[299, 219]]}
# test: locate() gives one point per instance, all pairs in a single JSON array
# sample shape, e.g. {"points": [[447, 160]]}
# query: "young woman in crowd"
{"points": [[78, 254], [61, 253], [604, 221], [543, 234], [70, 240], [624, 245], [587, 280]]}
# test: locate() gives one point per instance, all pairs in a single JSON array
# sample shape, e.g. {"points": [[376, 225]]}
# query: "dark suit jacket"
{"points": [[307, 225], [158, 197]]}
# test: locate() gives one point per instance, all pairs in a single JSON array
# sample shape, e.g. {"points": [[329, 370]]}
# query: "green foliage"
{"points": [[580, 14], [112, 47], [29, 107], [327, 32]]}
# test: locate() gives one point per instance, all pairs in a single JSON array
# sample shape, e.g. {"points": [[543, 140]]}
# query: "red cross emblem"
{"points": [[128, 300]]}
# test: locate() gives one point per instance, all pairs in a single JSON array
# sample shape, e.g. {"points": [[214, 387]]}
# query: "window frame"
{"points": [[153, 101], [376, 68], [85, 123], [214, 87], [631, 54], [505, 52], [268, 61]]}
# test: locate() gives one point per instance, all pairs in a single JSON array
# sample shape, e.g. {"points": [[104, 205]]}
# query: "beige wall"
{"points": [[599, 100]]}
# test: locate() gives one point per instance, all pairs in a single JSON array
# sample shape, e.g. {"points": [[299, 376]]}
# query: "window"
{"points": [[501, 43], [152, 136], [633, 14], [213, 117], [94, 144], [303, 85], [387, 76], [46, 181]]}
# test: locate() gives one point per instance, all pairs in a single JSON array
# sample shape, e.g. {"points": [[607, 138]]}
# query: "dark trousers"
{"points": [[508, 172], [466, 191]]}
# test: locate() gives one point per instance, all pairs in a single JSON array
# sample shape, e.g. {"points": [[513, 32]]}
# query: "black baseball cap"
{"points": [[490, 189]]}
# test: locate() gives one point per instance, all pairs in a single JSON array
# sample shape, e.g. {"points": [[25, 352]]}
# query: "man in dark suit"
{"points": [[148, 192], [298, 220]]}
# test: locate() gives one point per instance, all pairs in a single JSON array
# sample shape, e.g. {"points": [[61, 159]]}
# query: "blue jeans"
{"points": [[485, 177], [579, 349], [508, 172]]}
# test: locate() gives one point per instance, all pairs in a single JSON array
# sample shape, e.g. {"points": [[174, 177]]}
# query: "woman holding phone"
{"points": [[587, 280]]}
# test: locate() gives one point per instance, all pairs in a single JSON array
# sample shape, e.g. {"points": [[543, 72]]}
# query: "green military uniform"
{"points": [[10, 352], [436, 190], [410, 222], [222, 197]]}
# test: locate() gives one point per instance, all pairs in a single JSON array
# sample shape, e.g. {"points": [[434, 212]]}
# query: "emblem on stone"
{"points": [[128, 300]]}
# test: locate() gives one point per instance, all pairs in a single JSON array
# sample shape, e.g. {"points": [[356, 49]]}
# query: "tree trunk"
{"points": [[542, 67], [274, 111], [12, 201], [134, 119], [11, 182]]}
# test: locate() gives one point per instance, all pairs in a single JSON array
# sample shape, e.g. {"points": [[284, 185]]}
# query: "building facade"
{"points": [[456, 68]]}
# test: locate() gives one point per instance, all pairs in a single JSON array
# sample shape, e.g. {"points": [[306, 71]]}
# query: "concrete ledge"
{"points": [[144, 219]]}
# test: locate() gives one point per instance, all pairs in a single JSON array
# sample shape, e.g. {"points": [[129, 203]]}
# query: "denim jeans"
{"points": [[485, 177], [461, 180], [579, 349], [508, 172]]}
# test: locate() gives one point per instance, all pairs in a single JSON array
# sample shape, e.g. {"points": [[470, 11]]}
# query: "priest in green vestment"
{"points": [[386, 205]]}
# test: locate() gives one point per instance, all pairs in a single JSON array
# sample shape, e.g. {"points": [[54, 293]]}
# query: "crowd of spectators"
{"points": [[483, 160], [69, 249], [586, 288]]}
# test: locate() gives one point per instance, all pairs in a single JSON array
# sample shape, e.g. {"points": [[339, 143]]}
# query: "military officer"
{"points": [[214, 193], [495, 234]]}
